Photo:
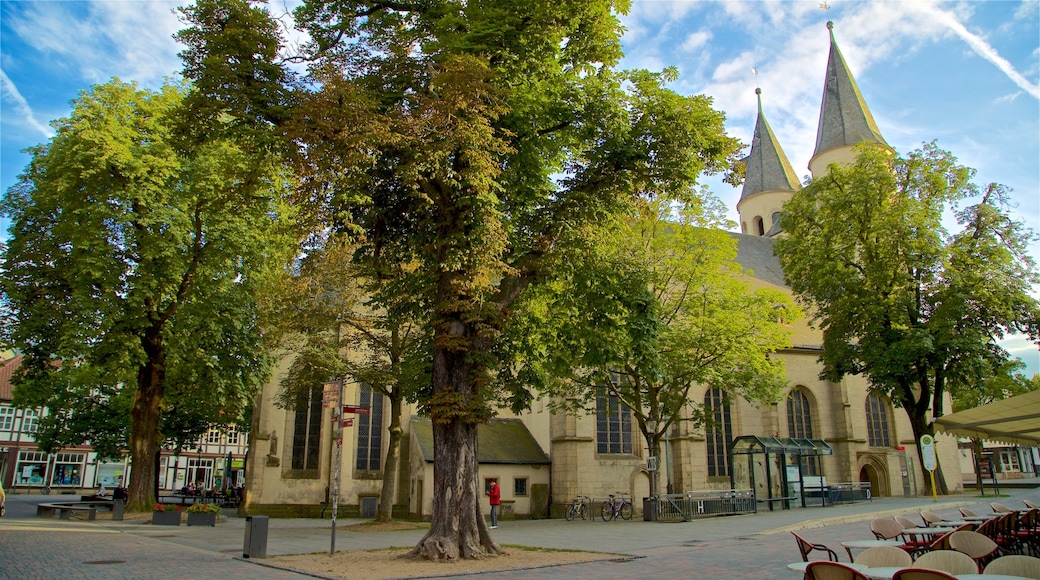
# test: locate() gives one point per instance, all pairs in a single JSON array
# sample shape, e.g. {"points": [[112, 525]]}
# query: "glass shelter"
{"points": [[779, 469]]}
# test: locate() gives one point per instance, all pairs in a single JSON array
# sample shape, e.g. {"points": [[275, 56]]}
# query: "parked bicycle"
{"points": [[580, 507], [616, 506]]}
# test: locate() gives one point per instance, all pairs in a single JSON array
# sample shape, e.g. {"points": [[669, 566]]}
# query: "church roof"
{"points": [[503, 441], [755, 253], [844, 117], [767, 167]]}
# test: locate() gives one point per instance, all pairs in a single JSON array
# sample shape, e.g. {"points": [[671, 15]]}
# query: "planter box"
{"points": [[202, 519], [172, 518]]}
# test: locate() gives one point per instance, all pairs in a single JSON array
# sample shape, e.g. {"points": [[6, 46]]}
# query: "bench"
{"points": [[64, 510]]}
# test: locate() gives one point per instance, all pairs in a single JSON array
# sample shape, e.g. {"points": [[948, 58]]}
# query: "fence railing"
{"points": [[699, 504]]}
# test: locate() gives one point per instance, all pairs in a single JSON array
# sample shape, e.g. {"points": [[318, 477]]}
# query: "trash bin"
{"points": [[118, 507], [255, 545], [649, 509]]}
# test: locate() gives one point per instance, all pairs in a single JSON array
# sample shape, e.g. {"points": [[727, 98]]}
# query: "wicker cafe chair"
{"points": [[906, 523], [943, 541], [889, 529], [947, 561], [805, 547], [1030, 504], [1015, 565], [999, 508], [1028, 532], [883, 557], [1007, 532], [967, 512], [824, 570], [922, 574], [978, 547], [930, 519]]}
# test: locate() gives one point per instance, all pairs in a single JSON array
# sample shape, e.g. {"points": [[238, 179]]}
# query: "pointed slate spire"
{"points": [[767, 167], [844, 118]]}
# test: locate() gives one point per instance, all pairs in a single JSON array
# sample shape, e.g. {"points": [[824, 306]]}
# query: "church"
{"points": [[820, 431]]}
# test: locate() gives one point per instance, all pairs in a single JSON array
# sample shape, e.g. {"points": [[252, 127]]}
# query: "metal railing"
{"points": [[699, 504]]}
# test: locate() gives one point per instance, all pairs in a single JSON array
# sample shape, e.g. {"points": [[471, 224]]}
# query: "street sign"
{"points": [[356, 409], [928, 452], [347, 423]]}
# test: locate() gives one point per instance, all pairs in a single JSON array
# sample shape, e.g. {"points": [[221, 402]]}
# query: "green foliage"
{"points": [[900, 300], [133, 268]]}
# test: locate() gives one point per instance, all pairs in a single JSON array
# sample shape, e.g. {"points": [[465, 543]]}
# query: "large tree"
{"points": [[917, 310], [655, 305], [466, 138], [135, 257]]}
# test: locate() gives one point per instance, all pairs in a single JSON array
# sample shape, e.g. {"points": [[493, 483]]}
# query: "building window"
{"points": [[213, 437], [306, 444], [31, 421], [520, 486], [6, 418], [799, 419], [31, 468], [760, 228], [613, 425], [719, 434], [370, 430], [68, 469], [232, 435], [877, 422]]}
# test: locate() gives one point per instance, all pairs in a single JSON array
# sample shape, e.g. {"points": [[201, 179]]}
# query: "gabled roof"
{"points": [[499, 441], [7, 369], [767, 166], [844, 117]]}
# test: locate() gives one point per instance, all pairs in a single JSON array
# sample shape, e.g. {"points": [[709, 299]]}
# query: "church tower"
{"points": [[845, 120], [769, 180]]}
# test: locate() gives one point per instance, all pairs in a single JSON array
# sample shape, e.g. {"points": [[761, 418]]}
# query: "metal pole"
{"points": [[338, 414]]}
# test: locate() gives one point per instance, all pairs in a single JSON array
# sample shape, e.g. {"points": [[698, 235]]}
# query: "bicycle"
{"points": [[579, 508], [616, 506]]}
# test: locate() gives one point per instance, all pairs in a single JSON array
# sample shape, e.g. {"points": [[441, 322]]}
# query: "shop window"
{"points": [[31, 468], [68, 470], [520, 486]]}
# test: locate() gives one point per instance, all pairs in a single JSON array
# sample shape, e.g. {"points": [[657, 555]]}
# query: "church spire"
{"points": [[845, 119], [769, 179]]}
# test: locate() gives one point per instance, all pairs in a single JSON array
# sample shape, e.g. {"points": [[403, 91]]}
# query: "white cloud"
{"points": [[10, 93], [696, 40]]}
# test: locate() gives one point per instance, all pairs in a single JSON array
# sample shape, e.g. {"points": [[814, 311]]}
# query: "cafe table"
{"points": [[989, 577], [937, 531], [801, 566], [882, 572], [849, 545]]}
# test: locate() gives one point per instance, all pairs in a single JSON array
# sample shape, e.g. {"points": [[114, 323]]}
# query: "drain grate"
{"points": [[105, 562]]}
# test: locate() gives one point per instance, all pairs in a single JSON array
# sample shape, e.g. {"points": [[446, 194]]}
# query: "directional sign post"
{"points": [[356, 409], [928, 459]]}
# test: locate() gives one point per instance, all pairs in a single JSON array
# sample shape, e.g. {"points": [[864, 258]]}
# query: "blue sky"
{"points": [[966, 74]]}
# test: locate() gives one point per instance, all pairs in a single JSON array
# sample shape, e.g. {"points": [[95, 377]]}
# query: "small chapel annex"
{"points": [[542, 460]]}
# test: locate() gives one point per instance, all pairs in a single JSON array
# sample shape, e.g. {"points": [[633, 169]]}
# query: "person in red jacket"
{"points": [[495, 498]]}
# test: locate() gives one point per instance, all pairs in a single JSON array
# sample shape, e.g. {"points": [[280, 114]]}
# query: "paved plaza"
{"points": [[750, 546]]}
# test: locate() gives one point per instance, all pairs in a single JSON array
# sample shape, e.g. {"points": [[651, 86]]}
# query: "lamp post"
{"points": [[337, 416]]}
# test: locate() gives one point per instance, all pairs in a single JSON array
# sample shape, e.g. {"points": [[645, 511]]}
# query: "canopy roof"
{"points": [[1014, 420], [750, 444]]}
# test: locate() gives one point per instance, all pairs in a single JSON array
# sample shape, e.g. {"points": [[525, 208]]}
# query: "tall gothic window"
{"points": [[370, 430], [877, 422], [799, 420], [719, 434], [613, 425], [306, 442]]}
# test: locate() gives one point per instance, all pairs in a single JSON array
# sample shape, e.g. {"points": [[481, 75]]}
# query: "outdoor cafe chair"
{"points": [[1015, 565], [980, 548], [1007, 532], [922, 574], [1028, 531], [884, 557], [805, 547], [999, 508], [967, 513], [825, 570], [889, 529], [948, 561], [931, 519], [1030, 504], [943, 541], [906, 523]]}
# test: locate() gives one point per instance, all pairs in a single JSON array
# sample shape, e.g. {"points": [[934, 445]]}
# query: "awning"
{"points": [[1014, 420]]}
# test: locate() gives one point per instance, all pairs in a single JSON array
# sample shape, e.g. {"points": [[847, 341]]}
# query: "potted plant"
{"points": [[203, 514], [166, 515]]}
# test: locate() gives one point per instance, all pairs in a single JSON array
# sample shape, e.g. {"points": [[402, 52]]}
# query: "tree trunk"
{"points": [[922, 427], [144, 426], [393, 460]]}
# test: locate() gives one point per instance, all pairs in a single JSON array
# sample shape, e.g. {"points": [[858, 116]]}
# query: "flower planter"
{"points": [[202, 519], [170, 518]]}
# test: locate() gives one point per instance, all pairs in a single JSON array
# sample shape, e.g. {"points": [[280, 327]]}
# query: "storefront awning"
{"points": [[1013, 420]]}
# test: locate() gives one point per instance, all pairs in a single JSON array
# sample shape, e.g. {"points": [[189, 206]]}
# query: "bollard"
{"points": [[255, 545]]}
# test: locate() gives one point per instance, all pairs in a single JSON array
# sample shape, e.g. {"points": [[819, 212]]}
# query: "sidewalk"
{"points": [[751, 546]]}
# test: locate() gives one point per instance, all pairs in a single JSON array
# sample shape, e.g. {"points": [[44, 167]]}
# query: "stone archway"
{"points": [[874, 471]]}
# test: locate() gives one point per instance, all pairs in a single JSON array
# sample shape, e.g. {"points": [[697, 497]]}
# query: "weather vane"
{"points": [[826, 7]]}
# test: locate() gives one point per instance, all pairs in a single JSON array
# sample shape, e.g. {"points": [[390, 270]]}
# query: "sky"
{"points": [[963, 74]]}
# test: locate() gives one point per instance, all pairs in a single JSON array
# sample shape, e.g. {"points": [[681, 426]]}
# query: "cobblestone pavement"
{"points": [[755, 547]]}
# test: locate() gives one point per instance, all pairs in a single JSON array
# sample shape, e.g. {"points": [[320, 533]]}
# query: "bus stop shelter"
{"points": [[778, 469]]}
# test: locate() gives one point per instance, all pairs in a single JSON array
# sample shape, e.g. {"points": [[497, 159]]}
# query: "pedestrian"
{"points": [[495, 498], [3, 500]]}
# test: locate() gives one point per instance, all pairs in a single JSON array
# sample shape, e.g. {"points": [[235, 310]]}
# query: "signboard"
{"points": [[928, 452], [357, 410], [347, 423], [651, 463], [330, 394]]}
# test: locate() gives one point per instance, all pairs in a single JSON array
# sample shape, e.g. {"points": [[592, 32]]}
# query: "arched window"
{"points": [[306, 441], [613, 424], [799, 419], [719, 434], [760, 228], [877, 422], [776, 218]]}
